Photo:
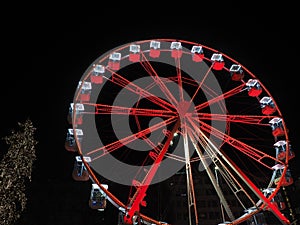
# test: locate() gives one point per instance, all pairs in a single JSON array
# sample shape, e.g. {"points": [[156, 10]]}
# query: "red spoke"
{"points": [[250, 184], [179, 78], [124, 141], [250, 151], [245, 119], [121, 81], [200, 84], [140, 193], [220, 97], [148, 67], [121, 110]]}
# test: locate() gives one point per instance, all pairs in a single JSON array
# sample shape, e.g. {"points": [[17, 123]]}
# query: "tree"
{"points": [[15, 172]]}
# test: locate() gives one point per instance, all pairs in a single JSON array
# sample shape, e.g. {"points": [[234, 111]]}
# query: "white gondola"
{"points": [[278, 173], [197, 53], [277, 127], [70, 142], [134, 53], [267, 105], [114, 61], [154, 49], [236, 72], [80, 172], [85, 88], [98, 197], [254, 88], [79, 109], [277, 200], [97, 74], [218, 61], [281, 147], [176, 48]]}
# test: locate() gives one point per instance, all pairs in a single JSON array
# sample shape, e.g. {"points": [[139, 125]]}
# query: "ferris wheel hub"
{"points": [[183, 108]]}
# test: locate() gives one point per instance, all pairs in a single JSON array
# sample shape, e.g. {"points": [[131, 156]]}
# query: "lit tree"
{"points": [[15, 171]]}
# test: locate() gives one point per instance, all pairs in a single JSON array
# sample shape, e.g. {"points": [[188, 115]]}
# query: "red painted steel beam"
{"points": [[140, 193]]}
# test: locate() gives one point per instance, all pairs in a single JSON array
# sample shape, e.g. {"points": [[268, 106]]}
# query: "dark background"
{"points": [[46, 49]]}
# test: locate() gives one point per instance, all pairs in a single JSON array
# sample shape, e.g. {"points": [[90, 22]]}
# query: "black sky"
{"points": [[47, 51]]}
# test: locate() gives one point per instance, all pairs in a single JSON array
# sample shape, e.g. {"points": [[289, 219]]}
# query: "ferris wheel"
{"points": [[151, 110]]}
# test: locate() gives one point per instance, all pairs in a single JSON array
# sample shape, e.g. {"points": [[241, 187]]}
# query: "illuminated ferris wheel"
{"points": [[150, 109]]}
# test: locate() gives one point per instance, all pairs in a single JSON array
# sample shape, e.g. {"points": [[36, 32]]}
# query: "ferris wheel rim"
{"points": [[88, 74]]}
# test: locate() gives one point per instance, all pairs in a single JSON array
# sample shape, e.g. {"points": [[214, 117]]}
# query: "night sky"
{"points": [[47, 52]]}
